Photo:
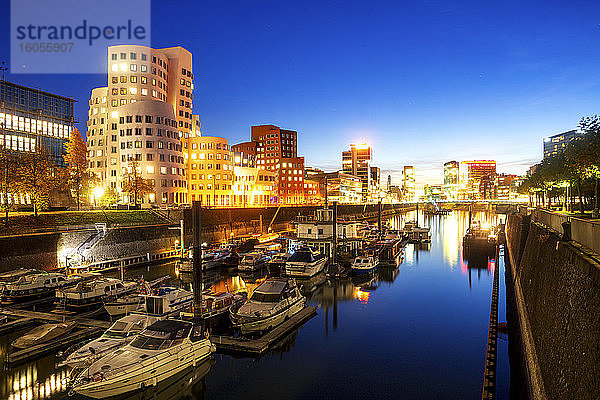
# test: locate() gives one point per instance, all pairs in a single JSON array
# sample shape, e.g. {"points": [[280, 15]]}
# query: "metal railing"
{"points": [[584, 232]]}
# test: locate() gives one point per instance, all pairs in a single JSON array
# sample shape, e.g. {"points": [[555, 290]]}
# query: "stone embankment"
{"points": [[47, 250], [553, 293]]}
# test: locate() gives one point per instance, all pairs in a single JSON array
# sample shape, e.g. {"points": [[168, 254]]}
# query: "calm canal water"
{"points": [[417, 331]]}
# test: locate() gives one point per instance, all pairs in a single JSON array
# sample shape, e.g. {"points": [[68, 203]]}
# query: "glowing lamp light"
{"points": [[98, 192]]}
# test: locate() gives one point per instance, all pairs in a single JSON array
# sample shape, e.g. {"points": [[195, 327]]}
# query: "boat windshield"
{"points": [[110, 334], [162, 335], [265, 297], [151, 343], [26, 279], [303, 255]]}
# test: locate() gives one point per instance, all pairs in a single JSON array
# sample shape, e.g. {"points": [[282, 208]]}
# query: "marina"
{"points": [[373, 302]]}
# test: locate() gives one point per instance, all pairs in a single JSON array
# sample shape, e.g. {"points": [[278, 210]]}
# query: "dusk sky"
{"points": [[423, 82]]}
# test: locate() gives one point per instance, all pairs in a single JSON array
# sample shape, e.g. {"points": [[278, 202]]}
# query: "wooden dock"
{"points": [[256, 347], [37, 351], [52, 317], [18, 324]]}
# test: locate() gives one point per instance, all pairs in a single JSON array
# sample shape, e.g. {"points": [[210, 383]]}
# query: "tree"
{"points": [[77, 165], [110, 198], [134, 184], [589, 154], [37, 177], [9, 182]]}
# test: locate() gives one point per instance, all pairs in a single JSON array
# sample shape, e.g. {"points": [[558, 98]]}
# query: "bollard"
{"points": [[566, 231]]}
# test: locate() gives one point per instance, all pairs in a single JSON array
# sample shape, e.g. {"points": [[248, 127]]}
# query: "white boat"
{"points": [[253, 261], [271, 303], [119, 334], [124, 305], [304, 263], [14, 275], [166, 300], [43, 334], [33, 285], [364, 265], [164, 349], [91, 294]]}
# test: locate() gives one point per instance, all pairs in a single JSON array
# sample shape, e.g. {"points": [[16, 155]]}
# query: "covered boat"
{"points": [[253, 261], [43, 334], [305, 262], [364, 265], [164, 349], [271, 303]]}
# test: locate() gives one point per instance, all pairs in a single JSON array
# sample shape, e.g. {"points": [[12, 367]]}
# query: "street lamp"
{"points": [[98, 193]]}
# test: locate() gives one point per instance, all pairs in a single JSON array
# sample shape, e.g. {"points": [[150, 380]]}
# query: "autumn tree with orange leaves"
{"points": [[77, 175]]}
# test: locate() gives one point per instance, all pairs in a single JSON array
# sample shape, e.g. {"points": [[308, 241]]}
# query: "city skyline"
{"points": [[519, 89]]}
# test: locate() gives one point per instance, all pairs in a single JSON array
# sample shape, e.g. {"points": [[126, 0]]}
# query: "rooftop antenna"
{"points": [[3, 68]]}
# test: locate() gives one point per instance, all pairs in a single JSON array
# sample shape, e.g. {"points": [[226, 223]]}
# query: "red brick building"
{"points": [[276, 150]]}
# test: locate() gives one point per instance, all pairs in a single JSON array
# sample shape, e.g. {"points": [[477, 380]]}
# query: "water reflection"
{"points": [[416, 305]]}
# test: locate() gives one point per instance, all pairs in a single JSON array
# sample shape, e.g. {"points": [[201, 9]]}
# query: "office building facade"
{"points": [[210, 171], [357, 162], [408, 183], [32, 119], [552, 145], [451, 180]]}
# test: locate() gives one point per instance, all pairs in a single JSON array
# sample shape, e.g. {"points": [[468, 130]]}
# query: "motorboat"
{"points": [[305, 262], [43, 334], [33, 286], [119, 334], [166, 300], [276, 264], [162, 350], [91, 294], [271, 303], [210, 260], [231, 260], [415, 233], [14, 275], [124, 305], [364, 265], [479, 239], [216, 305], [253, 261]]}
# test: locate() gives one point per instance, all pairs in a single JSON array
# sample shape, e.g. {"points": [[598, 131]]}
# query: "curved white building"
{"points": [[144, 114]]}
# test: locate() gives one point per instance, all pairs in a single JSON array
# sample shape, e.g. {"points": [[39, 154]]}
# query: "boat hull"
{"points": [[364, 271], [149, 372], [302, 270], [270, 322], [115, 309]]}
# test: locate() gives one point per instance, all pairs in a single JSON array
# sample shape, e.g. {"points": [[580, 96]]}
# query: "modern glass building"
{"points": [[556, 143], [31, 118]]}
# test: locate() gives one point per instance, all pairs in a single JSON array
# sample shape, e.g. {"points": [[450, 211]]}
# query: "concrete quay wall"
{"points": [[554, 288], [50, 250]]}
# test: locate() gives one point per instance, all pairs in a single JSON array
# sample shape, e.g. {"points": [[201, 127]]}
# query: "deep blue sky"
{"points": [[423, 81]]}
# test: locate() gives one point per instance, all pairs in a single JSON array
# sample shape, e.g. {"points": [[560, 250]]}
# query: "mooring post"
{"points": [[470, 216], [326, 192], [379, 217], [417, 219], [333, 251], [197, 260]]}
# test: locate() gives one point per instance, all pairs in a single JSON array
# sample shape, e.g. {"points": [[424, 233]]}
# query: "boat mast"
{"points": [[197, 260]]}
